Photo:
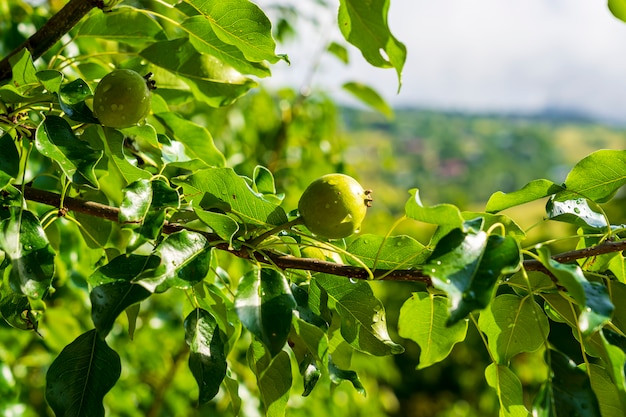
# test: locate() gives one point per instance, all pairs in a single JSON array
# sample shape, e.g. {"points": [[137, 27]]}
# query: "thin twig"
{"points": [[292, 262]]}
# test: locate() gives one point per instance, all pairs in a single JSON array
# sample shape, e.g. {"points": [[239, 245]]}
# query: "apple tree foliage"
{"points": [[186, 225]]}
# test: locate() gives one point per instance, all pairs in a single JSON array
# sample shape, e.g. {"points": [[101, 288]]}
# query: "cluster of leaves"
{"points": [[159, 210]]}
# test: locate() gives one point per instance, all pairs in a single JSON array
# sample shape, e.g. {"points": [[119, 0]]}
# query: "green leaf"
{"points": [[221, 224], [223, 189], [370, 97], [263, 180], [598, 176], [423, 319], [123, 24], [204, 39], [466, 266], [81, 375], [568, 392], [76, 158], [185, 260], [338, 375], [232, 388], [113, 142], [592, 297], [264, 304], [609, 396], [9, 160], [13, 306], [240, 23], [394, 252], [618, 8], [108, 301], [222, 308], [364, 25], [363, 321], [144, 207], [576, 211], [123, 268], [196, 139], [50, 79], [442, 214], [532, 191], [24, 74], [509, 390], [513, 325], [72, 98], [274, 378], [209, 79], [26, 246], [207, 359], [339, 51]]}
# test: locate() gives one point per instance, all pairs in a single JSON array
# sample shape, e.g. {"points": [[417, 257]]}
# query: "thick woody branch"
{"points": [[291, 262], [58, 25]]}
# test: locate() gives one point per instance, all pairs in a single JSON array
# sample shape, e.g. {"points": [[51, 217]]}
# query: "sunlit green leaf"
{"points": [[72, 98], [364, 24], [81, 375], [575, 211], [209, 79], [113, 143], [445, 215], [27, 248], [223, 189], [240, 23], [513, 325], [23, 70], [467, 264], [76, 158], [221, 224], [592, 297], [185, 260], [423, 319], [123, 24], [144, 208], [363, 320], [196, 139], [532, 191], [50, 79], [509, 390], [400, 252], [370, 97], [274, 378], [204, 39], [207, 359], [598, 176], [607, 393], [264, 304]]}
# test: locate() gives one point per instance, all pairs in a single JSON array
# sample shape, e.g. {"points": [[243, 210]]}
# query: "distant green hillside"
{"points": [[463, 159]]}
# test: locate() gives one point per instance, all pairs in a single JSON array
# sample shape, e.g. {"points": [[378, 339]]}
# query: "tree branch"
{"points": [[291, 262], [58, 25]]}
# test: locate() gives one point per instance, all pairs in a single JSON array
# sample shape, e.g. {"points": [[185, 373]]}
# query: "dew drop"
{"points": [[353, 281], [576, 210], [114, 107]]}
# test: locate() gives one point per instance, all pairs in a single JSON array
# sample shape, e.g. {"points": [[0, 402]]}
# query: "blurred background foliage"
{"points": [[300, 135]]}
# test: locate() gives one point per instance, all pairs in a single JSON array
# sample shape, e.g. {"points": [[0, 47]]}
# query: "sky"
{"points": [[483, 55]]}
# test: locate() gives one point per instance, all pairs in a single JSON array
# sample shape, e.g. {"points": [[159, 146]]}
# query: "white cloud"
{"points": [[493, 55]]}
